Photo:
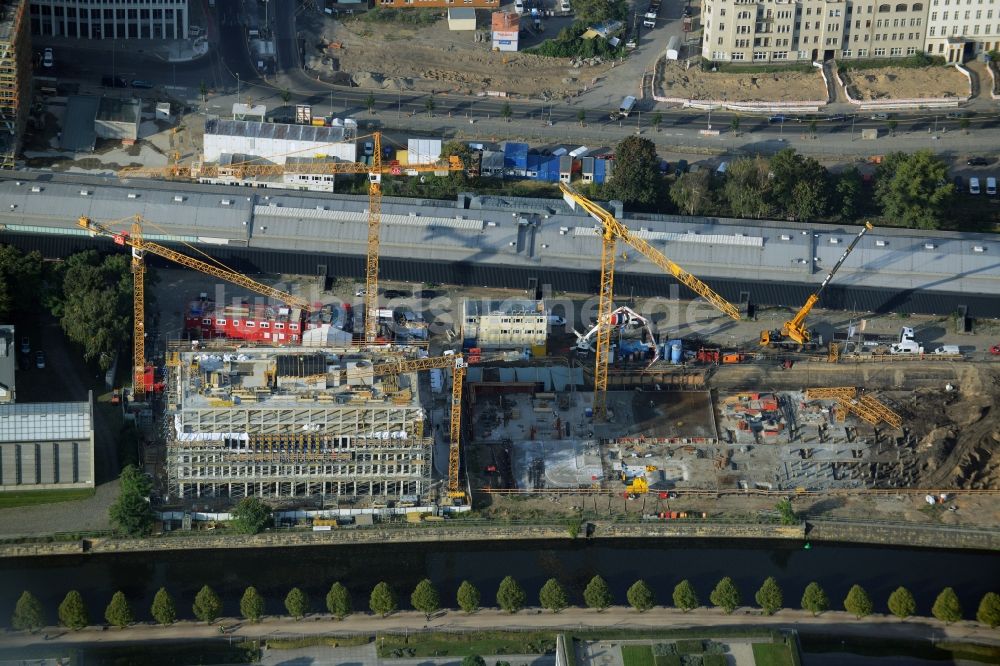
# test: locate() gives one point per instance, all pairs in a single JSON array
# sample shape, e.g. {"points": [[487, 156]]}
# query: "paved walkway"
{"points": [[832, 622]]}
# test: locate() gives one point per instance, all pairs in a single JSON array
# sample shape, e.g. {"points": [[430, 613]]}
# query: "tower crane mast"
{"points": [[611, 231], [375, 171], [140, 246]]}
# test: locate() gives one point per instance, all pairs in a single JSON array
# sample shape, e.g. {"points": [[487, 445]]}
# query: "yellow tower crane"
{"points": [[458, 366], [375, 171], [611, 231], [794, 330], [140, 246]]}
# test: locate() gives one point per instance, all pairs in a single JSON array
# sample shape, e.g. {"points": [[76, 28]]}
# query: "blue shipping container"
{"points": [[600, 170], [515, 155]]}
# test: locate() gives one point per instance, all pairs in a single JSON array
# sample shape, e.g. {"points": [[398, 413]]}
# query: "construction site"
{"points": [[337, 396], [15, 77]]}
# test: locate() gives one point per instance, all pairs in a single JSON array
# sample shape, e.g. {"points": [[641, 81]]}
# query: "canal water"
{"points": [[662, 563]]}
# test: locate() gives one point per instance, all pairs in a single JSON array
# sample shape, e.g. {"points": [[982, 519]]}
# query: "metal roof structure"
{"points": [[278, 131], [511, 233], [45, 421]]}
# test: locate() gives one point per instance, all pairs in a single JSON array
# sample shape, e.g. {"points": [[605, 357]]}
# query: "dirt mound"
{"points": [[693, 83]]}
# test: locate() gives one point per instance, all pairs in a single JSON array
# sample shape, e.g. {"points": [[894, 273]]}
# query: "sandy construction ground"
{"points": [[430, 57], [693, 83], [906, 83]]}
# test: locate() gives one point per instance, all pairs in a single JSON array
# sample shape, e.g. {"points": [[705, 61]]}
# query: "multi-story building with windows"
{"points": [[810, 30], [960, 29], [15, 78], [111, 19]]}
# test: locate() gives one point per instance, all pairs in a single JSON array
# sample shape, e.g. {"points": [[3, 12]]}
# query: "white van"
{"points": [[973, 186], [519, 6], [948, 349], [991, 186]]}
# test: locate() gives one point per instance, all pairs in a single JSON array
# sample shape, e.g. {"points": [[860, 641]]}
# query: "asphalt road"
{"points": [[229, 69]]}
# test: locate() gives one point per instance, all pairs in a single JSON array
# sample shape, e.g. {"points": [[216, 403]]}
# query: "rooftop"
{"points": [[479, 307], [117, 110], [277, 131], [45, 421]]}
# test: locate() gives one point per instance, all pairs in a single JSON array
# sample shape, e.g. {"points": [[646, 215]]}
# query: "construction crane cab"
{"points": [[794, 331]]}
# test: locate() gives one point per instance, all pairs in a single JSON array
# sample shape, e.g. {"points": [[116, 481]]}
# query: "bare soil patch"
{"points": [[694, 83], [906, 83], [432, 58]]}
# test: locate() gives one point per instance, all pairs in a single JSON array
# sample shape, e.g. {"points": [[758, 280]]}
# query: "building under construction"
{"points": [[15, 77], [292, 424]]}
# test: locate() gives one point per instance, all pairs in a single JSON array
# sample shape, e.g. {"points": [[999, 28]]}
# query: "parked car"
{"points": [[995, 350], [880, 116], [40, 360], [48, 59], [25, 345], [108, 81], [956, 114], [142, 83], [979, 161], [778, 118], [973, 185], [991, 186]]}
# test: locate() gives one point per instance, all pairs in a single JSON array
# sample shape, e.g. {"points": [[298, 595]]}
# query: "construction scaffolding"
{"points": [[15, 77], [293, 424], [851, 399]]}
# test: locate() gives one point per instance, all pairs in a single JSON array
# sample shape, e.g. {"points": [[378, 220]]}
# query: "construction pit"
{"points": [[676, 80], [905, 83], [429, 57]]}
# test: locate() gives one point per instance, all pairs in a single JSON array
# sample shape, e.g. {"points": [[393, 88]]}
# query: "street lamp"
{"points": [[237, 87]]}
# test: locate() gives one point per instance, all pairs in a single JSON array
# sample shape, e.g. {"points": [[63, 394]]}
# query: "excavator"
{"points": [[794, 332]]}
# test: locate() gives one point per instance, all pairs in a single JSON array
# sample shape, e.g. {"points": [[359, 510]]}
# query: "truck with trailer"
{"points": [[652, 14], [627, 106]]}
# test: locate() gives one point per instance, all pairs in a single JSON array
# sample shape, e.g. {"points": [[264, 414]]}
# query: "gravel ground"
{"points": [[906, 83]]}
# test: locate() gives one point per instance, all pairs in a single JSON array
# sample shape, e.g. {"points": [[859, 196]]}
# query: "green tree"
{"points": [[286, 95], [425, 598], [338, 601], [130, 513], [769, 596], [468, 597], [252, 605], [988, 612], [29, 616], [893, 124], [734, 125], [118, 612], [163, 609], [207, 605], [947, 607], [656, 120], [799, 185], [786, 512], [72, 612], [429, 105], [473, 660], [597, 594], [901, 603], [640, 596], [858, 602], [382, 600], [297, 603], [461, 151], [510, 595], [914, 190], [203, 91], [95, 305], [250, 516], [636, 177], [506, 112], [581, 117], [370, 103], [552, 596], [693, 192], [684, 596], [813, 127], [747, 189], [725, 595], [849, 190], [20, 281], [814, 599], [963, 123]]}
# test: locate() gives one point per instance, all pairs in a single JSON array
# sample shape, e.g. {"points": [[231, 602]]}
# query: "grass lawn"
{"points": [[485, 643], [638, 655], [772, 654], [32, 497], [315, 641]]}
